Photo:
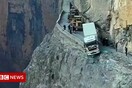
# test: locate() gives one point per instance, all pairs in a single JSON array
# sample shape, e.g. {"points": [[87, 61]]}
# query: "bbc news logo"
{"points": [[4, 77], [13, 77]]}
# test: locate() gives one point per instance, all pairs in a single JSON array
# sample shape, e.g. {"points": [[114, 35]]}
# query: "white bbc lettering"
{"points": [[1, 77], [5, 77]]}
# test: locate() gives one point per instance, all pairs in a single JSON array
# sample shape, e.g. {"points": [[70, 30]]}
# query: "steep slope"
{"points": [[23, 24], [61, 63], [121, 22]]}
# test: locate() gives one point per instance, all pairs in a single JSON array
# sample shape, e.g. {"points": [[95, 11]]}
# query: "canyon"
{"points": [[23, 24], [60, 61]]}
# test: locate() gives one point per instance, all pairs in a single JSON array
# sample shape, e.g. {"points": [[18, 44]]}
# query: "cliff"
{"points": [[61, 62], [23, 24]]}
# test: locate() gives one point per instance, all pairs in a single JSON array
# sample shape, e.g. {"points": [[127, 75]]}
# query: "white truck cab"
{"points": [[90, 38]]}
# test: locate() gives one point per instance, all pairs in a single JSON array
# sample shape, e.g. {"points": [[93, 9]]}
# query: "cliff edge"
{"points": [[60, 63]]}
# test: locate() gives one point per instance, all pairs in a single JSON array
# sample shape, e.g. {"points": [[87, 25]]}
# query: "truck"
{"points": [[91, 42]]}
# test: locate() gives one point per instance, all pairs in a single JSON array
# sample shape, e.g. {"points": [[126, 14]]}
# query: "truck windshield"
{"points": [[91, 43]]}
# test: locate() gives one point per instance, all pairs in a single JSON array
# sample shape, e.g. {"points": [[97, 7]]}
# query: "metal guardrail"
{"points": [[66, 33], [60, 15]]}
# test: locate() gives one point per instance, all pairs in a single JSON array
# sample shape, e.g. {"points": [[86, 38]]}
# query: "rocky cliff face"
{"points": [[60, 63], [23, 24], [121, 24]]}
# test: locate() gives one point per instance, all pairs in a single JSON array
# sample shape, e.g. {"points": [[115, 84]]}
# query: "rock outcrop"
{"points": [[121, 24], [61, 63]]}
